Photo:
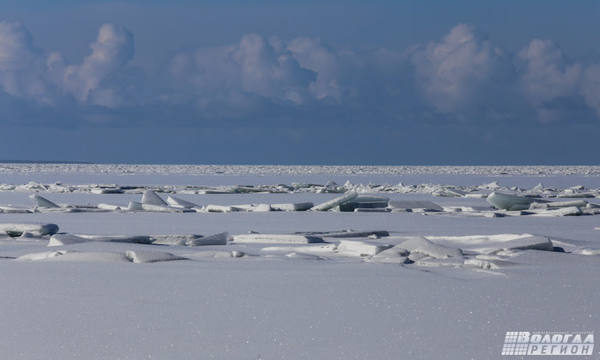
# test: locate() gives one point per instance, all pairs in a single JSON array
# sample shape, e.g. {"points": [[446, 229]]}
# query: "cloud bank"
{"points": [[463, 76]]}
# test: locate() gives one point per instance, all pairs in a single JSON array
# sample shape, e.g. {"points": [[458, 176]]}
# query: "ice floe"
{"points": [[17, 229]]}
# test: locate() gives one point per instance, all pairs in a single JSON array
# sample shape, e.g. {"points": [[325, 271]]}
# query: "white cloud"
{"points": [[546, 76], [27, 72], [22, 66], [450, 72], [314, 56], [461, 76], [111, 52], [296, 72]]}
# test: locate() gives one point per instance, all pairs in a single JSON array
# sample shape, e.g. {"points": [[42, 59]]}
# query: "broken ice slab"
{"points": [[533, 242], [67, 239], [14, 210], [448, 192], [254, 207], [138, 256], [109, 207], [43, 202], [303, 256], [590, 211], [488, 244], [160, 208], [393, 255], [151, 198], [323, 248], [38, 229], [216, 239], [476, 196], [364, 202], [335, 202], [428, 261], [375, 210], [558, 204], [173, 240], [303, 206], [347, 233], [423, 205], [136, 206], [360, 248], [563, 211], [586, 251], [221, 208], [570, 193], [421, 245], [509, 202], [107, 191], [64, 255], [177, 202], [276, 239]]}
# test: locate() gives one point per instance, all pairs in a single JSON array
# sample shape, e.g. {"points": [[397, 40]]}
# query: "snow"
{"points": [[391, 285]]}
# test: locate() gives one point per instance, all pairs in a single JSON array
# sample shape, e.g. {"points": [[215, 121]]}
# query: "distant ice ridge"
{"points": [[129, 169], [529, 202], [440, 190]]}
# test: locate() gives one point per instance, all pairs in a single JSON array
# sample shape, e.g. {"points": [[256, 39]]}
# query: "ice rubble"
{"points": [[63, 239], [488, 252], [529, 202]]}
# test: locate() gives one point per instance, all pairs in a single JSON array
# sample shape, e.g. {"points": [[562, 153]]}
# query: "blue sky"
{"points": [[332, 82]]}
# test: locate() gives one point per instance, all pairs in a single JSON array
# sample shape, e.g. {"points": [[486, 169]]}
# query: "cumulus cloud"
{"points": [[22, 66], [30, 73], [111, 51], [545, 77], [254, 67], [451, 72], [461, 76], [314, 56]]}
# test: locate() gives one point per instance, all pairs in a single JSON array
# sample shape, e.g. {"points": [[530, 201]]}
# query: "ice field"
{"points": [[259, 262]]}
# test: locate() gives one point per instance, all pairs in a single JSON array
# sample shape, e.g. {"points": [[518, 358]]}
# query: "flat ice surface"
{"points": [[292, 301]]}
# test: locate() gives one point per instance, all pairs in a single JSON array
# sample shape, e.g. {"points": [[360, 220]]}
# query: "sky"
{"points": [[427, 82]]}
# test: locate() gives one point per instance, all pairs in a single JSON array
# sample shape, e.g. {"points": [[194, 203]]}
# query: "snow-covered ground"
{"points": [[445, 284]]}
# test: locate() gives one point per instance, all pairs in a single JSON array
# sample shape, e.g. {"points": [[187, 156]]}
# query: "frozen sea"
{"points": [[293, 302]]}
